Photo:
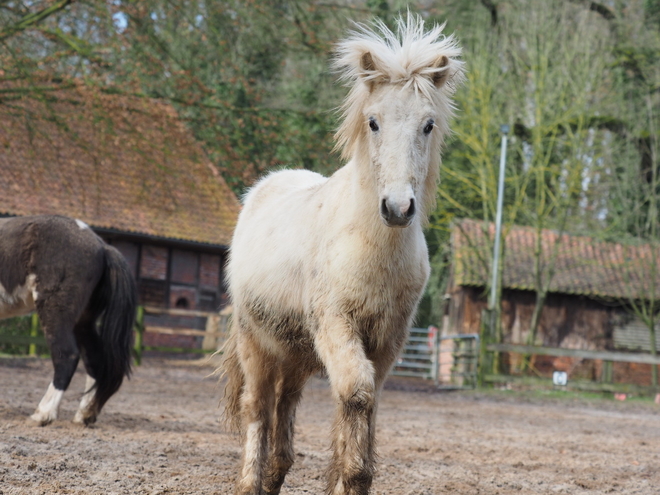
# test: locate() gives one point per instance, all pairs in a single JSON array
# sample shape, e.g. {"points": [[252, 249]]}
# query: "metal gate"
{"points": [[450, 361], [419, 357]]}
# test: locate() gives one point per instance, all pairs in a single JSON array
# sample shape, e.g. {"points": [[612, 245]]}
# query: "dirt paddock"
{"points": [[161, 435]]}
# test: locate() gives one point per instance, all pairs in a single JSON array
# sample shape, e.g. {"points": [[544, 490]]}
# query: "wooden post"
{"points": [[606, 373], [224, 325], [212, 329], [34, 332], [139, 335]]}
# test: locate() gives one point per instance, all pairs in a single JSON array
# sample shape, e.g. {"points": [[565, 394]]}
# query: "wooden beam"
{"points": [[624, 357], [22, 340], [583, 385], [151, 310], [183, 331]]}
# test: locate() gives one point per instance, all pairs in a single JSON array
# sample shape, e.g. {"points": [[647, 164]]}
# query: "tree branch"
{"points": [[602, 10], [33, 18], [492, 8]]}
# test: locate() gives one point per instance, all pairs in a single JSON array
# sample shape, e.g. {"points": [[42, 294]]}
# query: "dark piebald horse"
{"points": [[85, 296]]}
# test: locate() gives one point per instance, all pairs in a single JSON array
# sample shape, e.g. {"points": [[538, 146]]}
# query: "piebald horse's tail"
{"points": [[230, 369], [114, 301]]}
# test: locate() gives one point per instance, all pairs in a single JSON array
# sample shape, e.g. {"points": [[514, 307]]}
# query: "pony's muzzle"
{"points": [[397, 214]]}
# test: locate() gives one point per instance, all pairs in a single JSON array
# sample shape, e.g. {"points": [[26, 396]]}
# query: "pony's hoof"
{"points": [[38, 420], [83, 420]]}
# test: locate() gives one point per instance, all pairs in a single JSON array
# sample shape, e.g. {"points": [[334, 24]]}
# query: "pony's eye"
{"points": [[429, 127], [373, 125]]}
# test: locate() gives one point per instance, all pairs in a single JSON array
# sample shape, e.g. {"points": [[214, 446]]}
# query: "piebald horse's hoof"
{"points": [[82, 420], [38, 420]]}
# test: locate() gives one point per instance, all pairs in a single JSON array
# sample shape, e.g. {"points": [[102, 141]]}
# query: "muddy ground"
{"points": [[161, 435]]}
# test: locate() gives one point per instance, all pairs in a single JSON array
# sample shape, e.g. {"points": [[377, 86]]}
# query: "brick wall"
{"points": [[153, 264], [209, 272], [185, 266], [130, 251]]}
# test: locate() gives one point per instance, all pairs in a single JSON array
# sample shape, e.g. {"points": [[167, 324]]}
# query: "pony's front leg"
{"points": [[352, 378], [257, 403]]}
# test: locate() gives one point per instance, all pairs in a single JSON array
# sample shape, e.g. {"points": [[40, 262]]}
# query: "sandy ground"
{"points": [[161, 435]]}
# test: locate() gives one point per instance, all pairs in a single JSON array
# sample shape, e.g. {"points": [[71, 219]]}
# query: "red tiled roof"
{"points": [[115, 162], [583, 265]]}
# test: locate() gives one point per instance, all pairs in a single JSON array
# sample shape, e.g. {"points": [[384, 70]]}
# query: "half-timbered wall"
{"points": [[174, 277]]}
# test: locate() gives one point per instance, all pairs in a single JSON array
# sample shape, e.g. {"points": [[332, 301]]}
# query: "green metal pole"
{"points": [[139, 333], [34, 333]]}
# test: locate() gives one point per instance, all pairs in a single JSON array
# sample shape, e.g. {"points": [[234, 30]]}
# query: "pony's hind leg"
{"points": [[289, 390], [87, 410], [256, 410], [65, 356], [90, 346]]}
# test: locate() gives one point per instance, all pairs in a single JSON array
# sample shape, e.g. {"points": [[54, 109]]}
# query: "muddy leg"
{"points": [[257, 403], [289, 390], [352, 377]]}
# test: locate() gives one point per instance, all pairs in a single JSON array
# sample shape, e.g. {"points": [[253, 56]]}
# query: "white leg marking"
{"points": [[48, 407], [82, 224], [83, 411], [252, 454]]}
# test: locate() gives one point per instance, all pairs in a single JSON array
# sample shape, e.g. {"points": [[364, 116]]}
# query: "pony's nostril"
{"points": [[384, 211], [411, 209]]}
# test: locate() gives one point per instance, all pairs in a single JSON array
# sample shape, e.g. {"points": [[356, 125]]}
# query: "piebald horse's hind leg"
{"points": [[289, 388], [90, 347], [65, 356], [257, 403], [354, 386], [87, 411]]}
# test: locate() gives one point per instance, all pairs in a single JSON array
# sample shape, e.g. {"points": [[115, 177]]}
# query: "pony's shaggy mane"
{"points": [[408, 58]]}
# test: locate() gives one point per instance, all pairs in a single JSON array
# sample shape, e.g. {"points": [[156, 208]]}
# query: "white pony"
{"points": [[326, 273]]}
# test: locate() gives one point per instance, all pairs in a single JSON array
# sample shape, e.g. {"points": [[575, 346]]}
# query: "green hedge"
{"points": [[17, 337]]}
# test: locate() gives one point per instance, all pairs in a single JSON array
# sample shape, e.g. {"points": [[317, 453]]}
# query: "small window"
{"points": [[182, 303]]}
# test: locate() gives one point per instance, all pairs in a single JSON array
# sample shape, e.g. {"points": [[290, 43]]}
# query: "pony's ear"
{"points": [[367, 63], [369, 71], [441, 71]]}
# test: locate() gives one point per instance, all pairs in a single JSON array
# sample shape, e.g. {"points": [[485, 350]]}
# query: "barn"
{"points": [[129, 168], [594, 289]]}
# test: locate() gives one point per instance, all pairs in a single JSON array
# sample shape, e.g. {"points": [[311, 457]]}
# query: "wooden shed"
{"points": [[129, 168], [589, 305]]}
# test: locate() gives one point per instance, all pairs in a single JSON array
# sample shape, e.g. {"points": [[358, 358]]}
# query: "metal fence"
{"points": [[450, 361], [419, 357]]}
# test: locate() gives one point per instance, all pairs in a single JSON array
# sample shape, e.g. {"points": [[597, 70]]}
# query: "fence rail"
{"points": [[32, 341], [607, 357], [214, 334], [624, 357], [450, 361]]}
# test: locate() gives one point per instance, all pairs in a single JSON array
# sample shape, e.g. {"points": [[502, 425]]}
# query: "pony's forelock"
{"points": [[408, 57]]}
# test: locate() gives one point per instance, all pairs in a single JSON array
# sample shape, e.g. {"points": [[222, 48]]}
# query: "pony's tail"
{"points": [[230, 370], [115, 301]]}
